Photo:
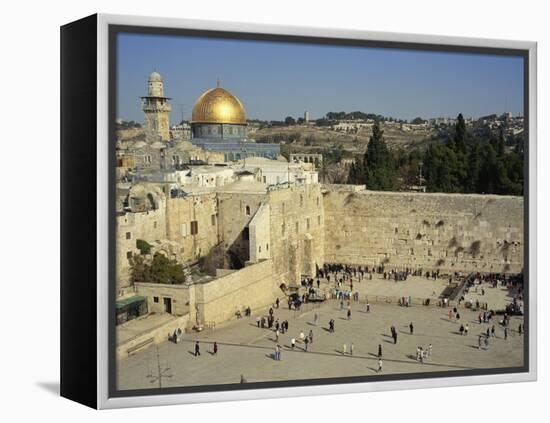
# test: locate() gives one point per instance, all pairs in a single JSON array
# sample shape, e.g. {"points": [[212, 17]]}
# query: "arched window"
{"points": [[248, 210]]}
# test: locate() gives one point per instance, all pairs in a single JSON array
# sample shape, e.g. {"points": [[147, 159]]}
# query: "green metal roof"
{"points": [[130, 300]]}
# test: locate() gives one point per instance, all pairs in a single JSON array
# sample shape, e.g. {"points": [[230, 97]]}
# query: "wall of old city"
{"points": [[252, 286], [235, 212], [297, 233], [195, 239], [260, 234], [451, 232], [149, 226]]}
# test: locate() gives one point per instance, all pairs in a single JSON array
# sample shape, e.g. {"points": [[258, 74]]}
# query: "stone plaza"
{"points": [[246, 351]]}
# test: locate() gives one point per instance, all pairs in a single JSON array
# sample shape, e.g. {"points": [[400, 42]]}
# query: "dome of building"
{"points": [[218, 106], [155, 77]]}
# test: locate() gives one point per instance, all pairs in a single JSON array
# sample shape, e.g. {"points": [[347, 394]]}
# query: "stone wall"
{"points": [[149, 226], [150, 337], [170, 226], [236, 211], [178, 294], [259, 230], [451, 232], [297, 232], [181, 212], [251, 286]]}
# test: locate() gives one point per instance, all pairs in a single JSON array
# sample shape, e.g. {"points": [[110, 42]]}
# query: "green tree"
{"points": [[380, 173], [459, 139], [143, 246], [160, 270]]}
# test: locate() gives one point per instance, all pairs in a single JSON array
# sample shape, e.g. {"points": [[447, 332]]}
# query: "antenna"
{"points": [[180, 106], [218, 82]]}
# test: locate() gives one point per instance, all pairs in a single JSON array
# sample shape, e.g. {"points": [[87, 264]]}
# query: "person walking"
{"points": [[520, 329], [302, 336], [379, 365], [411, 328], [277, 335], [430, 350], [461, 330], [368, 307], [505, 333], [349, 314], [306, 342], [310, 336], [379, 350], [197, 349], [215, 348], [466, 329], [344, 349], [351, 348], [292, 343]]}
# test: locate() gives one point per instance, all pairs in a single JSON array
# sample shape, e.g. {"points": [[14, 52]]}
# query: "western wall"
{"points": [[450, 232]]}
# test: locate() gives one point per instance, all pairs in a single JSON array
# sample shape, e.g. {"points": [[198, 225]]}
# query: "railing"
{"points": [[414, 301]]}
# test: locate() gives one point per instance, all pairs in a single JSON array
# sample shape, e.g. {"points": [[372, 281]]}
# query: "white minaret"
{"points": [[157, 110], [306, 116]]}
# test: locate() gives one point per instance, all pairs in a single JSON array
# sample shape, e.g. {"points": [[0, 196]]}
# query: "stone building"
{"points": [[157, 110], [218, 134]]}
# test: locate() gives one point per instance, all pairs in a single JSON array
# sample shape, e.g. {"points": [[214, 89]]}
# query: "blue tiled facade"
{"points": [[231, 140]]}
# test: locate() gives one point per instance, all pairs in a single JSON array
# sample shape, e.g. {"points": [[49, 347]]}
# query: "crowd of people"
{"points": [[344, 276]]}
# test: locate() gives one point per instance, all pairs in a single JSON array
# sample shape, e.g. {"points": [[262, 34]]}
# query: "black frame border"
{"points": [[78, 207]]}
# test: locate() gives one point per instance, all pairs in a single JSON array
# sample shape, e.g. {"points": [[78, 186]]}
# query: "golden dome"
{"points": [[218, 106]]}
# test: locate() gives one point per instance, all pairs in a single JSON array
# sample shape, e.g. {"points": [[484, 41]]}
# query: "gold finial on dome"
{"points": [[218, 105]]}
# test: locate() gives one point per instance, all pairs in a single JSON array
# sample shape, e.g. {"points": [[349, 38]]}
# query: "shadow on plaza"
{"points": [[411, 359]]}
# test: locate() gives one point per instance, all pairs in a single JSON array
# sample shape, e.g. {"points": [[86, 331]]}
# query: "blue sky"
{"points": [[274, 80]]}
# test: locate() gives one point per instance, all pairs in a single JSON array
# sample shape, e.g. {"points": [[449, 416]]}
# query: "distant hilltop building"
{"points": [[306, 116], [219, 124], [157, 110]]}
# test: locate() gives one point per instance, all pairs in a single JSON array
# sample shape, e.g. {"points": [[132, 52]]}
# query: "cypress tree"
{"points": [[380, 173]]}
